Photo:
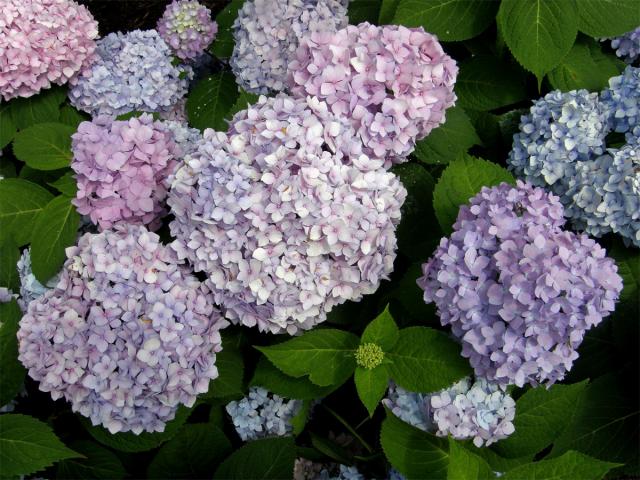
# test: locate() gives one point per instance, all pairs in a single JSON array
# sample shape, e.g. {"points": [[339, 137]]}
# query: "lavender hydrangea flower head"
{"points": [[263, 414], [518, 291], [623, 99], [627, 46], [393, 82], [30, 287], [128, 334], [186, 26], [267, 33], [285, 215], [43, 42], [122, 168], [133, 71]]}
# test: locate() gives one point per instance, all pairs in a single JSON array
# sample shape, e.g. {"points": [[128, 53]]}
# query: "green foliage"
{"points": [[9, 256], [242, 102], [98, 463], [45, 146], [382, 331], [363, 11], [371, 385], [607, 18], [222, 47], [20, 204], [28, 445], [230, 365], [72, 117], [465, 465], [387, 11], [570, 466], [210, 101], [8, 128], [12, 372], [41, 108], [268, 376], [66, 184], [270, 458]]}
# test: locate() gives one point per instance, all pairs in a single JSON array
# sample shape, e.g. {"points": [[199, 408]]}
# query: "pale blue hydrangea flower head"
{"points": [[627, 46], [263, 414], [30, 287], [267, 34], [622, 98], [410, 407], [186, 26], [133, 71]]}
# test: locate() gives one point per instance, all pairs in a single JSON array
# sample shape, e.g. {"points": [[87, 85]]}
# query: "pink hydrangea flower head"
{"points": [[122, 168], [518, 291], [282, 220], [394, 83], [187, 27], [127, 335], [43, 42]]}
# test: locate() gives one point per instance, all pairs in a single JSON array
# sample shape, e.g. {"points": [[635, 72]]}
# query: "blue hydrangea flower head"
{"points": [[627, 46], [622, 98]]}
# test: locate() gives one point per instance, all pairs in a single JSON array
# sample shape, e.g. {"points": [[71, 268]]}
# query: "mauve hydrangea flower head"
{"points": [[186, 26], [128, 334], [133, 71], [623, 99], [43, 42], [122, 168], [394, 83], [267, 33], [518, 291], [285, 215], [263, 414], [627, 46], [30, 287]]}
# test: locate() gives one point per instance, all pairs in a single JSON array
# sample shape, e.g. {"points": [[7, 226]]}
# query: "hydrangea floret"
{"points": [[267, 33], [280, 216], [394, 83], [186, 26], [518, 291], [43, 43], [134, 71], [126, 336]]}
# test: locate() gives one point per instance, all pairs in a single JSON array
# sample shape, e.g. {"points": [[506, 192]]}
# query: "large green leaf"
{"points": [[416, 454], [382, 331], [387, 11], [541, 415], [270, 458], [628, 261], [363, 11], [56, 228], [20, 203], [99, 463], [66, 184], [539, 33], [194, 452], [450, 20], [462, 180], [465, 465], [326, 356], [222, 47], [72, 117], [28, 445], [426, 360], [12, 372], [8, 128], [230, 363], [570, 466], [40, 108], [45, 146], [268, 376], [608, 18], [371, 385], [210, 101], [9, 256]]}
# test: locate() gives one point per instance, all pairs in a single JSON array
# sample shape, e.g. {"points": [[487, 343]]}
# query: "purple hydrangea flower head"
{"points": [[122, 168], [43, 42], [186, 26], [133, 71], [285, 215], [623, 99], [518, 291], [128, 334], [627, 46], [30, 287], [263, 414], [393, 82], [267, 33]]}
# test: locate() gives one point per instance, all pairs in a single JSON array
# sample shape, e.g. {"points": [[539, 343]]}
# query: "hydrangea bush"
{"points": [[319, 239]]}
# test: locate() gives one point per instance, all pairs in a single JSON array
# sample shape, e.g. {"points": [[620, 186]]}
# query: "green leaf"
{"points": [[20, 204], [12, 372], [326, 356], [450, 20], [44, 107], [268, 376], [222, 47], [387, 11], [464, 465], [8, 128], [608, 18], [586, 66], [371, 386], [539, 33], [9, 256], [479, 87], [210, 100], [495, 461], [541, 415], [462, 180], [416, 454], [628, 261], [56, 228], [194, 452], [45, 146], [99, 463], [130, 442], [426, 360], [270, 458], [382, 331], [331, 449], [449, 140], [66, 184], [230, 372], [570, 466], [28, 445], [244, 100], [299, 420], [72, 117], [363, 11]]}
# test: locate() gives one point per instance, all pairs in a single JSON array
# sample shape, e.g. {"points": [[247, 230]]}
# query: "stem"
{"points": [[350, 428]]}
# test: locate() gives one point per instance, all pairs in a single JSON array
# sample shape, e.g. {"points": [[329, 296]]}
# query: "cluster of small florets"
{"points": [[127, 335], [122, 169], [518, 291], [304, 469], [622, 98], [30, 287], [43, 42], [267, 33], [186, 26], [133, 71], [627, 46], [410, 407], [281, 219], [263, 414], [394, 83]]}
